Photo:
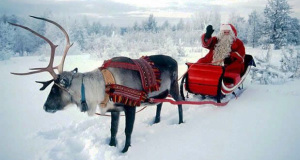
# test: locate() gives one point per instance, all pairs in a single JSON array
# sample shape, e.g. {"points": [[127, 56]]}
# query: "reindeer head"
{"points": [[59, 95]]}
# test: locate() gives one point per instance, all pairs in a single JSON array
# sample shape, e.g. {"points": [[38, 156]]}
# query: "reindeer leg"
{"points": [[175, 94], [130, 117], [158, 110], [114, 128], [180, 113]]}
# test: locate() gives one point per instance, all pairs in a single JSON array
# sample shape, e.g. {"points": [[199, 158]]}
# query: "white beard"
{"points": [[222, 48]]}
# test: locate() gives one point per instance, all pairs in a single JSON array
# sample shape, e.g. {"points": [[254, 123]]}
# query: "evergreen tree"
{"points": [[240, 24], [136, 26], [6, 40], [202, 19], [79, 33], [24, 41], [254, 29], [275, 27], [151, 24], [180, 25], [95, 28], [290, 62], [265, 72], [166, 25], [294, 32]]}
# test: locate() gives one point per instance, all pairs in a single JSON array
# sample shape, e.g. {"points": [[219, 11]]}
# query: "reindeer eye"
{"points": [[64, 82]]}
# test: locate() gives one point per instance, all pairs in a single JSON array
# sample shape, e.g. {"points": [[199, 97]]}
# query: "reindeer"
{"points": [[87, 90]]}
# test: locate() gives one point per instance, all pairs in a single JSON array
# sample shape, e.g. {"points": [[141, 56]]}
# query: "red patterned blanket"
{"points": [[149, 74]]}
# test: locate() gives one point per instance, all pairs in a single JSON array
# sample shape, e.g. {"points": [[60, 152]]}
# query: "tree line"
{"points": [[272, 26]]}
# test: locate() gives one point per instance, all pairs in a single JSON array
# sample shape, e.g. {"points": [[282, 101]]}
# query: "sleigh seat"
{"points": [[211, 80]]}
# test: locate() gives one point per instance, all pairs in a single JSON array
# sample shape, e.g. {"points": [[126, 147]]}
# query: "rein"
{"points": [[189, 102], [104, 115]]}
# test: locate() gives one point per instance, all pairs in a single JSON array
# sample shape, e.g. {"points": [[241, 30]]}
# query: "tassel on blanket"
{"points": [[125, 95]]}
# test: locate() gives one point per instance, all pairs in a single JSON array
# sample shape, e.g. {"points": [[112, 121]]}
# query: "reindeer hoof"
{"points": [[113, 142], [125, 149], [157, 120]]}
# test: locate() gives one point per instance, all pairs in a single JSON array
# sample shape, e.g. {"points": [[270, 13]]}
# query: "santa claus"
{"points": [[225, 49]]}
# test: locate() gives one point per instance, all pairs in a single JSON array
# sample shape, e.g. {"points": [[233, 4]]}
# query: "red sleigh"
{"points": [[211, 80]]}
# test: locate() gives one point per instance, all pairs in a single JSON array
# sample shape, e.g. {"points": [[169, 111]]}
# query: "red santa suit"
{"points": [[236, 52]]}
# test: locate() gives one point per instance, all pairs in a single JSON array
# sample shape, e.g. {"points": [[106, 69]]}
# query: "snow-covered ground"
{"points": [[262, 124]]}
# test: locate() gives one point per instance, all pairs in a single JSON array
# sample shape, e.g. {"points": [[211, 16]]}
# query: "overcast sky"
{"points": [[127, 11]]}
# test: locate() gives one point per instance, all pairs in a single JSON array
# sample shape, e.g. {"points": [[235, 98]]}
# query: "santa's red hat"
{"points": [[228, 27]]}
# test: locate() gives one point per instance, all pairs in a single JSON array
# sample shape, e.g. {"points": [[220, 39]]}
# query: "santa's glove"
{"points": [[227, 60], [209, 32], [237, 57]]}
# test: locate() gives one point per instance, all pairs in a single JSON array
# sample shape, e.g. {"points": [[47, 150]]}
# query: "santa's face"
{"points": [[226, 32], [225, 35]]}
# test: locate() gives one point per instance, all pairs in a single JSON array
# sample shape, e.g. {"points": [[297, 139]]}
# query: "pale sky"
{"points": [[128, 11]]}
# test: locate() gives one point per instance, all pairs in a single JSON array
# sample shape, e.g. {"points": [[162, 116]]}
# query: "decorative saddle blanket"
{"points": [[149, 74], [128, 96]]}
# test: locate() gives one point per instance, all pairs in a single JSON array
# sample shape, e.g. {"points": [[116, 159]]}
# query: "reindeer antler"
{"points": [[68, 45], [50, 67]]}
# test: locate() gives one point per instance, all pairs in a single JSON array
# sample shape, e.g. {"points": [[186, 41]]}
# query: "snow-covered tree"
{"points": [[151, 24], [275, 27], [180, 49], [6, 40], [168, 48], [294, 32], [265, 72], [95, 27], [136, 26], [290, 62], [79, 33], [254, 29], [241, 26], [180, 25], [166, 25], [24, 41], [202, 19]]}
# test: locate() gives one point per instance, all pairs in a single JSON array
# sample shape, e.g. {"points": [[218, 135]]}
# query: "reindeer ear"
{"points": [[75, 70]]}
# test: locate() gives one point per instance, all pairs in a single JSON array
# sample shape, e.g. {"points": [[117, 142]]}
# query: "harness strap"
{"points": [[84, 106], [110, 63], [108, 79], [153, 100], [147, 74]]}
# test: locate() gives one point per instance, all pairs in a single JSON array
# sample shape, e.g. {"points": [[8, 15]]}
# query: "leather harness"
{"points": [[108, 79]]}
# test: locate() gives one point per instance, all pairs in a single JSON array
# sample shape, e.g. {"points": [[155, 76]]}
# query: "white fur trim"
{"points": [[225, 27], [226, 90], [239, 56]]}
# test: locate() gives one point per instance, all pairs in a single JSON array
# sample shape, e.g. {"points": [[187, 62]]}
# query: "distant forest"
{"points": [[272, 26]]}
